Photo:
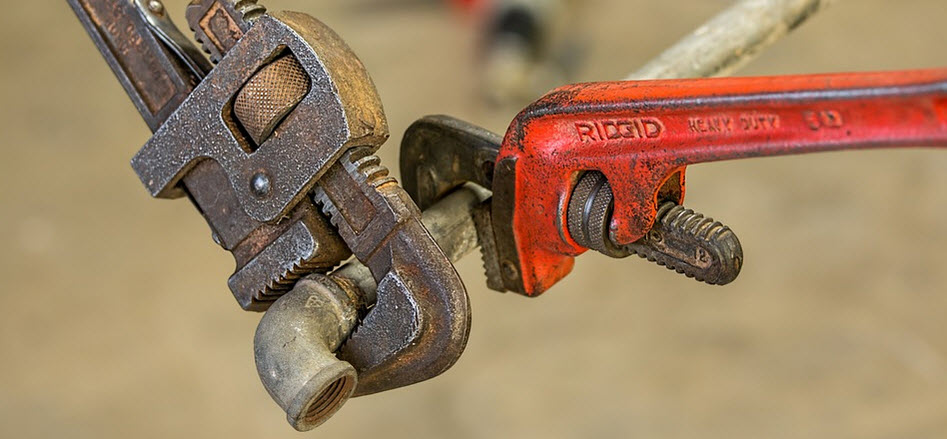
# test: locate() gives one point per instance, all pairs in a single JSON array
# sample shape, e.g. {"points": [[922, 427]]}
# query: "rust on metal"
{"points": [[156, 81]]}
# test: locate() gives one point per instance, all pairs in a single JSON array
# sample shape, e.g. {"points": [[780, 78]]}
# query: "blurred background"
{"points": [[117, 321]]}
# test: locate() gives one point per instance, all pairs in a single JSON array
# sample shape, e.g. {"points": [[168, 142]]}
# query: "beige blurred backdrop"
{"points": [[116, 319]]}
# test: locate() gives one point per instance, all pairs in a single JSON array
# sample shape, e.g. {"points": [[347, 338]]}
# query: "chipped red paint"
{"points": [[641, 133]]}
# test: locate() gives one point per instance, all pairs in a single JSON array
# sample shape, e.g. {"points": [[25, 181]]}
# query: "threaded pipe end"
{"points": [[324, 395]]}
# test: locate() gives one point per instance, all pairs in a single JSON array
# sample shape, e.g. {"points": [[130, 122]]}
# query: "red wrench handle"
{"points": [[641, 134]]}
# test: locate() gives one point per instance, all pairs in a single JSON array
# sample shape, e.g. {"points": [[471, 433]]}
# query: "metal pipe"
{"points": [[449, 221], [730, 40], [296, 340], [294, 350]]}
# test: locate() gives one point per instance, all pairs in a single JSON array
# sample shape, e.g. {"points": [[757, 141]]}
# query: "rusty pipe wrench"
{"points": [[288, 115], [601, 165], [155, 74]]}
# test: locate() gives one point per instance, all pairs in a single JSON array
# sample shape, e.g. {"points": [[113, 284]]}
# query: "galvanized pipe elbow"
{"points": [[296, 339], [294, 350]]}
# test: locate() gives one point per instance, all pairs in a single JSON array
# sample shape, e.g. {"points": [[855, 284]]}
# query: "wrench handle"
{"points": [[155, 80]]}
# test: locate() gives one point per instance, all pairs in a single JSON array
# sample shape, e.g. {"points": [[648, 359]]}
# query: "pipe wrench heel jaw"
{"points": [[419, 325]]}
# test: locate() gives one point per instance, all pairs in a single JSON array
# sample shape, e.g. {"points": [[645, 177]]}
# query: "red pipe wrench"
{"points": [[642, 135], [601, 165]]}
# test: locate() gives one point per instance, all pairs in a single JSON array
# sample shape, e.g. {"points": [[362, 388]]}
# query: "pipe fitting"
{"points": [[295, 345]]}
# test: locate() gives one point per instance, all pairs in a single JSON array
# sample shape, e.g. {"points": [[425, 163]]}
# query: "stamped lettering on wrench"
{"points": [[617, 129], [723, 123], [710, 124], [817, 120], [759, 121]]}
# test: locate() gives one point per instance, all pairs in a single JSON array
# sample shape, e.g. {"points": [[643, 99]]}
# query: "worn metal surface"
{"points": [[295, 346], [455, 233], [641, 136], [691, 244], [439, 153], [219, 24], [342, 98], [730, 40], [420, 321], [155, 80], [589, 214], [273, 256], [681, 239]]}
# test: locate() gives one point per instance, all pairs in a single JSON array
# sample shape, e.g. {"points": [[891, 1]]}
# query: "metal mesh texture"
{"points": [[269, 96]]}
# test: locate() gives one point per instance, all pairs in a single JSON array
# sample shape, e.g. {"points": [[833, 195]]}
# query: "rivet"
{"points": [[260, 184], [155, 6]]}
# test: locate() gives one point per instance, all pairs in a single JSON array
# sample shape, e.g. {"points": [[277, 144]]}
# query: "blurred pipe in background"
{"points": [[731, 39], [531, 46]]}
